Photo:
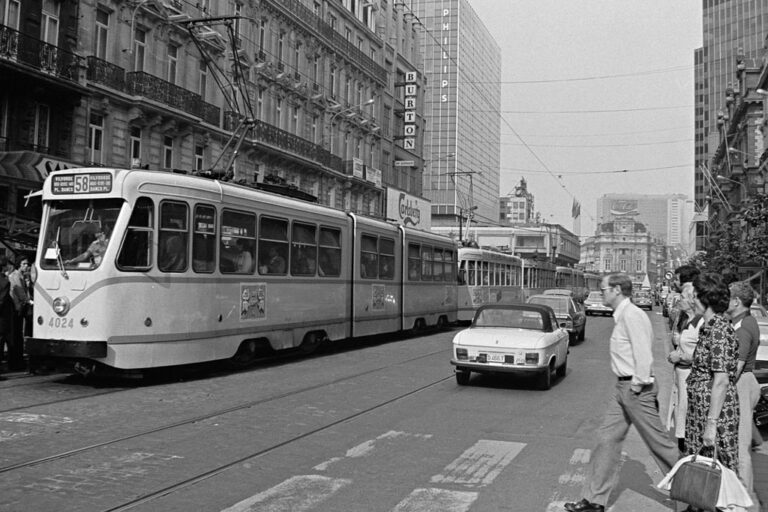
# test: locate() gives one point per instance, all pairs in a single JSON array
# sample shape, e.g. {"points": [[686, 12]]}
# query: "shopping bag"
{"points": [[697, 483]]}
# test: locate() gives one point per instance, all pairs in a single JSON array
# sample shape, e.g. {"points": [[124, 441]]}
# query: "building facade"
{"points": [[663, 215], [622, 245], [462, 149], [732, 31], [517, 207], [299, 94]]}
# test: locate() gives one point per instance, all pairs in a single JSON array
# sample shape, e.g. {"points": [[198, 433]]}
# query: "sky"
{"points": [[591, 89]]}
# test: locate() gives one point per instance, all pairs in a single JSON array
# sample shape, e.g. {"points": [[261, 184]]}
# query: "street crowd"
{"points": [[15, 311], [712, 349]]}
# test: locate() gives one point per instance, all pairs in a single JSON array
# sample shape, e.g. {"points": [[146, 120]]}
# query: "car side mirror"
{"points": [[562, 325]]}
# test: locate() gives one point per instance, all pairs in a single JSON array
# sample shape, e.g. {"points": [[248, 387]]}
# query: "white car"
{"points": [[761, 362], [593, 305], [517, 338]]}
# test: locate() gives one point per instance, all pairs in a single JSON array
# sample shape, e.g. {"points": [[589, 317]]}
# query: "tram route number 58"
{"points": [[61, 323], [81, 184]]}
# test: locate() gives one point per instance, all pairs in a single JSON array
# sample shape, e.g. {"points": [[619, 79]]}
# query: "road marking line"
{"points": [[35, 419], [480, 464], [297, 494], [365, 448], [429, 500]]}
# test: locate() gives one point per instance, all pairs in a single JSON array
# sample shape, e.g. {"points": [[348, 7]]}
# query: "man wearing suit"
{"points": [[6, 307]]}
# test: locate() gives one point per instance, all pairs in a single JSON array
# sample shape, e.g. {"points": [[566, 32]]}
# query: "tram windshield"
{"points": [[78, 232]]}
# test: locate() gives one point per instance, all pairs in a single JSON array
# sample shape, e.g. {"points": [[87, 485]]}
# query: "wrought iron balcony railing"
{"points": [[44, 57]]}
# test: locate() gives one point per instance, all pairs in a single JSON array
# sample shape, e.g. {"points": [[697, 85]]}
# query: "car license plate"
{"points": [[496, 358]]}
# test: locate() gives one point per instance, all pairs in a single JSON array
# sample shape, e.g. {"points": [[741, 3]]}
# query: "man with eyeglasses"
{"points": [[634, 399]]}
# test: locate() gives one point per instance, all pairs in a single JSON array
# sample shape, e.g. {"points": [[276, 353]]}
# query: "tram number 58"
{"points": [[81, 184], [61, 323]]}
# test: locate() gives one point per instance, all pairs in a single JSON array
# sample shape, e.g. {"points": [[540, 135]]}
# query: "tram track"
{"points": [[141, 500], [229, 410]]}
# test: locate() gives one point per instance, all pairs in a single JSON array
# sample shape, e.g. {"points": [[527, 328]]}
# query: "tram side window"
{"points": [[471, 279], [329, 253], [303, 249], [448, 267], [437, 267], [136, 251], [237, 243], [484, 274], [462, 277], [204, 239], [414, 262], [426, 263], [369, 257], [386, 258], [273, 246], [174, 237]]}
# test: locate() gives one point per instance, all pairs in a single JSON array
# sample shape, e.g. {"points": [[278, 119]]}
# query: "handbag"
{"points": [[697, 483]]}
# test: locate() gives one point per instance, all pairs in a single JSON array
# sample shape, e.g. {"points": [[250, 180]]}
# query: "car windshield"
{"points": [[514, 318], [595, 296], [643, 295], [559, 304]]}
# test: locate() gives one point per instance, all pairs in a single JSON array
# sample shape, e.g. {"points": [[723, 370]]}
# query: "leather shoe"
{"points": [[584, 505]]}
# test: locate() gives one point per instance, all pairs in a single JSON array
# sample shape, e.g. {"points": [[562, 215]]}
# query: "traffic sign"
{"points": [[669, 275]]}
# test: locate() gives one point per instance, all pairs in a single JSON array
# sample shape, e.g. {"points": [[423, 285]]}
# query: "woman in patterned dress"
{"points": [[713, 405]]}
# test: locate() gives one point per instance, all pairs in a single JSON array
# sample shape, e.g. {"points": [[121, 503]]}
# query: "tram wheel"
{"points": [[246, 354], [311, 341]]}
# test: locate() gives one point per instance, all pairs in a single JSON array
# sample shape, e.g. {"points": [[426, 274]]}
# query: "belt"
{"points": [[627, 377]]}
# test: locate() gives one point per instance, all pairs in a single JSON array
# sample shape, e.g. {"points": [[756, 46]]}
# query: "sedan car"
{"points": [[643, 299], [516, 338], [569, 314], [761, 363], [593, 305]]}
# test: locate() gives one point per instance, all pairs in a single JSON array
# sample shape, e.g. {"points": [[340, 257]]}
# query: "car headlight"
{"points": [[462, 354], [531, 358]]}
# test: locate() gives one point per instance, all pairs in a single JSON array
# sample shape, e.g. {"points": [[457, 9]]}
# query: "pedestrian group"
{"points": [[713, 349]]}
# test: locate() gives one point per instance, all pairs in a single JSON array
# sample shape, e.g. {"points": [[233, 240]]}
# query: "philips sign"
{"points": [[408, 210]]}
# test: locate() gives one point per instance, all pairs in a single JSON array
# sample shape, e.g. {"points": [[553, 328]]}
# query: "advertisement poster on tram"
{"points": [[253, 303], [408, 210]]}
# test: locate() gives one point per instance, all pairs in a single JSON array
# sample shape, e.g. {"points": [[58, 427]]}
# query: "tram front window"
{"points": [[78, 233]]}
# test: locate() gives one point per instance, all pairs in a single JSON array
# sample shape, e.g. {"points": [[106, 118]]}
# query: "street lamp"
{"points": [[348, 112], [742, 185]]}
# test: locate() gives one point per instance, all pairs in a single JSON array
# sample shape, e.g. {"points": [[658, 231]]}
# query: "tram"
{"points": [[487, 277], [592, 281], [571, 279], [538, 276], [140, 269]]}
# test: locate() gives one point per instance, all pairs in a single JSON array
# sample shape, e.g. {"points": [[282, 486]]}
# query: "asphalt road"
{"points": [[381, 427]]}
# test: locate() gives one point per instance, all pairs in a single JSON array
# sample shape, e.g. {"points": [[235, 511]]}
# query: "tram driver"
{"points": [[95, 251]]}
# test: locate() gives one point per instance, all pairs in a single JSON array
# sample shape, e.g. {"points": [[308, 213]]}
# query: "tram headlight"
{"points": [[61, 306]]}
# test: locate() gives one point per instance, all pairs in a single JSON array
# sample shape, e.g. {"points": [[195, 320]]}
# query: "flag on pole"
{"points": [[575, 209]]}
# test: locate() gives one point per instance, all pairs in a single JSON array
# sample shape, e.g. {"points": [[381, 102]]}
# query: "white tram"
{"points": [[190, 269], [571, 279], [487, 277]]}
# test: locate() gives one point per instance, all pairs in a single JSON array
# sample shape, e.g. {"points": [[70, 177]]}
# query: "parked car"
{"points": [[761, 363], [568, 312], [578, 297], [593, 305], [643, 299], [516, 338], [669, 300]]}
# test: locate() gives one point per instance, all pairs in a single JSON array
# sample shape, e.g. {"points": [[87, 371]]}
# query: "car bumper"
{"points": [[495, 367], [597, 309]]}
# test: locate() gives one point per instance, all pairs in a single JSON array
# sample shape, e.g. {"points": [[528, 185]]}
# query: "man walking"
{"points": [[633, 401], [747, 387], [6, 307], [20, 304]]}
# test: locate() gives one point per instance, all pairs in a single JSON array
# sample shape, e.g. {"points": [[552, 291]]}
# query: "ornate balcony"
{"points": [[44, 57], [106, 73]]}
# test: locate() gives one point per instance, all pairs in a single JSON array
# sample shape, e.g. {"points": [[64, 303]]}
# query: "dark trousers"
{"points": [[16, 343]]}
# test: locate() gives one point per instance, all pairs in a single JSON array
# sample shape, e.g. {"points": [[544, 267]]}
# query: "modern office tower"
{"points": [[734, 30], [663, 215], [462, 63]]}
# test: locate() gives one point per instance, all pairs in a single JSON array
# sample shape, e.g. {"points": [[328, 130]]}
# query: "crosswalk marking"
{"points": [[296, 494], [479, 465], [366, 447], [429, 500]]}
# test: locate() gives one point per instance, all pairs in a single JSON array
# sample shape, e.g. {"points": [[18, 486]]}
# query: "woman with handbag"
{"points": [[713, 403]]}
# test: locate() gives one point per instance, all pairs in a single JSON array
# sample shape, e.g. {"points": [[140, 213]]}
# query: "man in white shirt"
{"points": [[633, 402]]}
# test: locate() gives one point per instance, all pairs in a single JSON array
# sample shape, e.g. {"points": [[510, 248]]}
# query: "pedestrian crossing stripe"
{"points": [[479, 465], [297, 494], [428, 500]]}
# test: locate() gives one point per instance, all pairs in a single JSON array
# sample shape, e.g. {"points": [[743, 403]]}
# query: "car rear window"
{"points": [[595, 296], [559, 304], [514, 318]]}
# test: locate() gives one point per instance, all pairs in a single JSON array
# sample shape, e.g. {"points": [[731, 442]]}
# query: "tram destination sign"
{"points": [[97, 183]]}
